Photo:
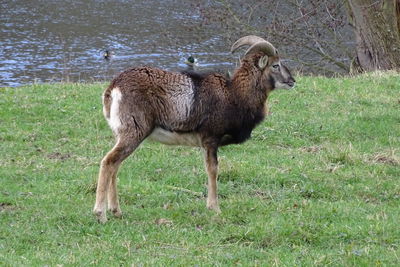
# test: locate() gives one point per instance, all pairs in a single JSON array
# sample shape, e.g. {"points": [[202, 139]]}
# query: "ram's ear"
{"points": [[262, 62]]}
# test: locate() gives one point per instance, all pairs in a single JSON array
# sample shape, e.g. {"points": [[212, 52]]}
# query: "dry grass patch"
{"points": [[384, 158], [311, 149]]}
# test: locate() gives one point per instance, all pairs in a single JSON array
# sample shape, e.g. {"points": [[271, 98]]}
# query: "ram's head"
{"points": [[267, 60]]}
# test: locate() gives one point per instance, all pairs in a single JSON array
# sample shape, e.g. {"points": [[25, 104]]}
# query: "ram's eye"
{"points": [[275, 66]]}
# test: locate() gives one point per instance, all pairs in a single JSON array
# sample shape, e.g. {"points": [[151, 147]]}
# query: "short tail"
{"points": [[107, 99]]}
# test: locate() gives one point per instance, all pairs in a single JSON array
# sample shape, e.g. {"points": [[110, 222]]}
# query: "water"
{"points": [[49, 41]]}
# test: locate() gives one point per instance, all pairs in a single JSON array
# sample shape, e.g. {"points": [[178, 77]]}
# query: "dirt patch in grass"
{"points": [[311, 149], [163, 221], [59, 156], [4, 206]]}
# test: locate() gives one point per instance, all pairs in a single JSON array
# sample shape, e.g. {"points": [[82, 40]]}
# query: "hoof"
{"points": [[117, 213], [214, 207], [101, 216]]}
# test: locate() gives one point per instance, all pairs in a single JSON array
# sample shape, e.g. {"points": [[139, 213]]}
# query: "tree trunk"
{"points": [[377, 29]]}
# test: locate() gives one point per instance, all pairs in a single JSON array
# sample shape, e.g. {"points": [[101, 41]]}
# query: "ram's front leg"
{"points": [[211, 162]]}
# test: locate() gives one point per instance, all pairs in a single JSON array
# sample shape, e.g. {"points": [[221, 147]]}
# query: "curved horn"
{"points": [[246, 40], [263, 46], [256, 44]]}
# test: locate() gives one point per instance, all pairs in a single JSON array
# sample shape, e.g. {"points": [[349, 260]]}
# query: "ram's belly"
{"points": [[174, 138]]}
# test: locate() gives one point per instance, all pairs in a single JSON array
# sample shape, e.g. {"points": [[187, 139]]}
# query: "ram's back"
{"points": [[167, 97]]}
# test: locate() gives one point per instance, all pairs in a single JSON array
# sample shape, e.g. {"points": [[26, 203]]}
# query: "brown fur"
{"points": [[216, 110]]}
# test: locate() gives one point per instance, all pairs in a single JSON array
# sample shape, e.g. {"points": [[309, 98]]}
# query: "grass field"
{"points": [[317, 185]]}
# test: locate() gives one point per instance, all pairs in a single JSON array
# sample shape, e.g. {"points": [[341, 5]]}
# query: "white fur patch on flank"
{"points": [[174, 138], [114, 121], [104, 107]]}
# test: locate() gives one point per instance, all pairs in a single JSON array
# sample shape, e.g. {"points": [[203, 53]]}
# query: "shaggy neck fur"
{"points": [[250, 84], [250, 89]]}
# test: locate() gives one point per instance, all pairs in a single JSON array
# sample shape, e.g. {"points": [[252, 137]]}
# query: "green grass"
{"points": [[317, 185]]}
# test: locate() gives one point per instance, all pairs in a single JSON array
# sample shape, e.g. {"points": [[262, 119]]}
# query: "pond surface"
{"points": [[49, 41]]}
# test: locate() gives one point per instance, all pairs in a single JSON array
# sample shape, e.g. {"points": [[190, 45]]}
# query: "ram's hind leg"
{"points": [[107, 183], [112, 196]]}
